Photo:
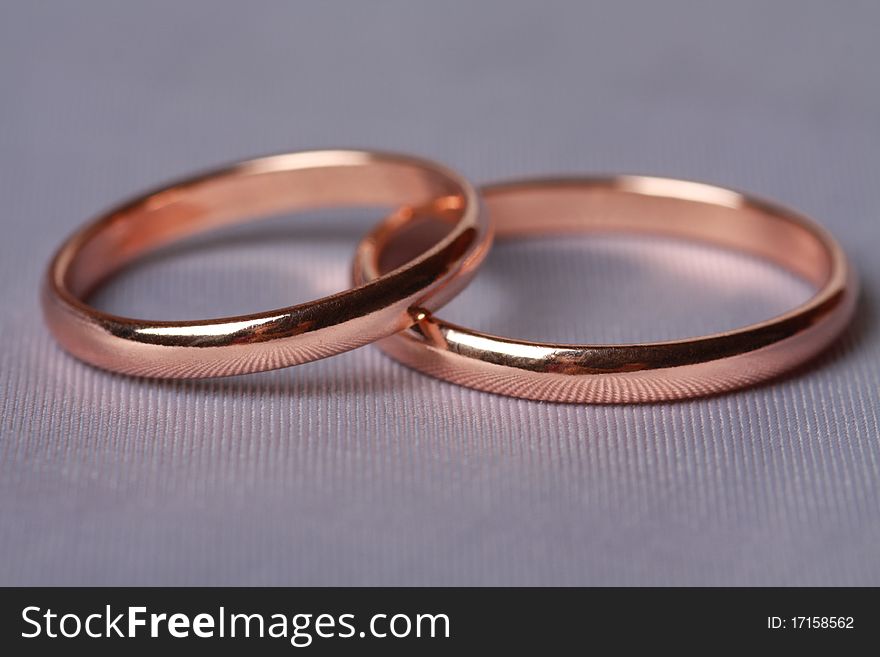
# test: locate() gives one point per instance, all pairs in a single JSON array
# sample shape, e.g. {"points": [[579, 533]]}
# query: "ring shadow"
{"points": [[621, 290], [214, 268]]}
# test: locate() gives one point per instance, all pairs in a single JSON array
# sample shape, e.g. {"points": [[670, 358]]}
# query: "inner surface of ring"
{"points": [[247, 192], [679, 209]]}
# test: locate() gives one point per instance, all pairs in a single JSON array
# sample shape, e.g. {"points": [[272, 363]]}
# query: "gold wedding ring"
{"points": [[644, 372], [280, 337]]}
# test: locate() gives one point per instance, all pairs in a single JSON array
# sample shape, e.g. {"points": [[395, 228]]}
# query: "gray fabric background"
{"points": [[355, 470]]}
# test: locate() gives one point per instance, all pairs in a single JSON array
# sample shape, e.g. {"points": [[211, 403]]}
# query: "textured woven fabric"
{"points": [[356, 470]]}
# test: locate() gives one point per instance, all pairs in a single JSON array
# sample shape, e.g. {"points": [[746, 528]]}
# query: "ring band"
{"points": [[645, 372], [277, 338]]}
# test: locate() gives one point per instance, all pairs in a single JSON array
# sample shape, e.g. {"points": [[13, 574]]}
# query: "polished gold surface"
{"points": [[616, 373], [276, 338]]}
